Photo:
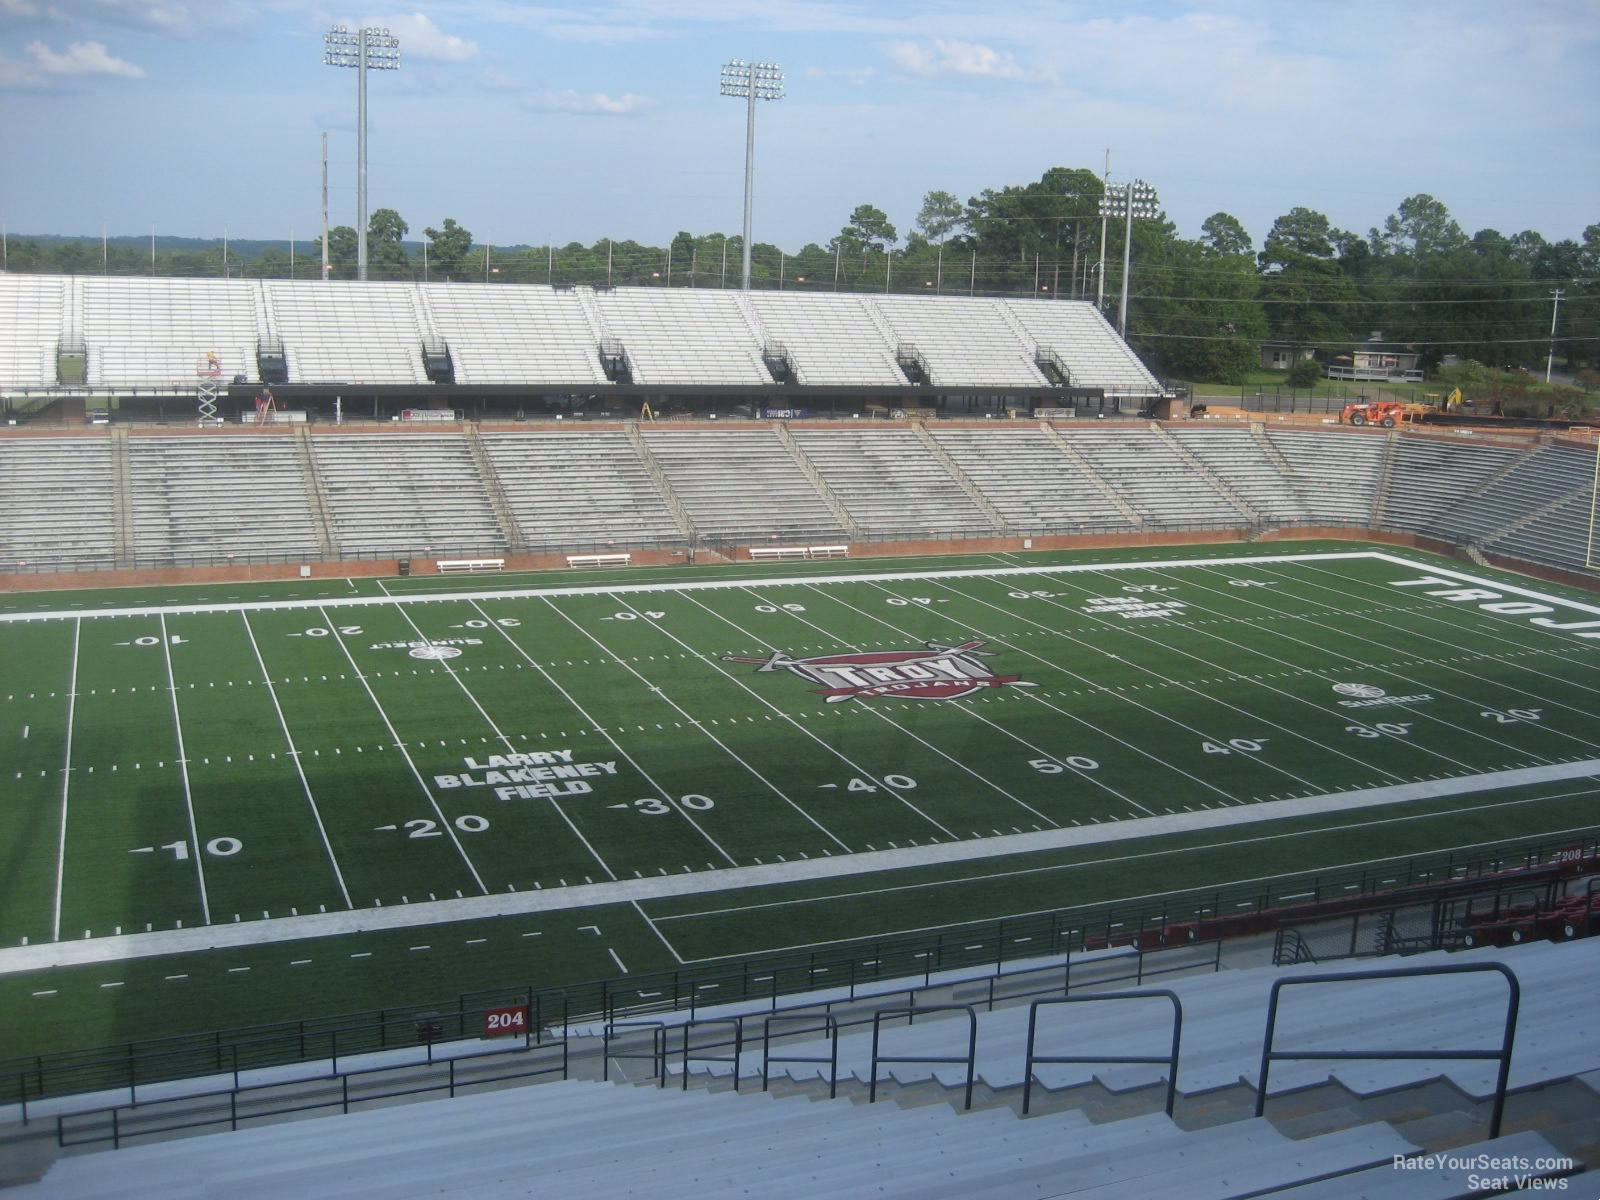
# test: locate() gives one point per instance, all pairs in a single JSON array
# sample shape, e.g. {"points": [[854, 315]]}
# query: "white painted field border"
{"points": [[183, 774], [440, 912], [602, 589], [1415, 713], [66, 780], [1322, 708], [506, 742], [890, 721], [294, 757], [1447, 614], [444, 821]]}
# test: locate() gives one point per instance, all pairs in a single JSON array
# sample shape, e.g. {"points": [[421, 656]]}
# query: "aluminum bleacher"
{"points": [[1085, 342], [964, 344], [1234, 456], [831, 339], [405, 495], [30, 329], [156, 333], [1153, 478], [1549, 474], [1337, 474], [891, 483], [741, 485], [579, 487], [57, 503], [345, 332], [1036, 487], [219, 497], [507, 335], [683, 336], [1430, 475]]}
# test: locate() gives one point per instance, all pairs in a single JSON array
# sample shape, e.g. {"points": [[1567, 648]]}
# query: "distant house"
{"points": [[1280, 356], [1376, 359]]}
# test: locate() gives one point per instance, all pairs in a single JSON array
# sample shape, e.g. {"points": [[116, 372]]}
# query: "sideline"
{"points": [[440, 912]]}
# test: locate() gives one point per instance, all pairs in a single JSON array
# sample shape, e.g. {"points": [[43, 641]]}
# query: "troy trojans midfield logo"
{"points": [[936, 673]]}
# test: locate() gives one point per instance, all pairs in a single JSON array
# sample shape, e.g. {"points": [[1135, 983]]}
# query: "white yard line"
{"points": [[444, 822], [506, 741], [294, 755], [66, 781], [183, 773], [623, 891]]}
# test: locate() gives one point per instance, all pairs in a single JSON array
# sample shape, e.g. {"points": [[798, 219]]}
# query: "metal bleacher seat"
{"points": [[30, 329], [339, 331], [1030, 482], [1085, 342], [403, 494], [57, 503], [156, 333], [512, 335], [963, 343], [1234, 456], [578, 487], [1430, 475], [742, 485], [210, 497], [891, 483], [683, 336], [831, 339], [1337, 473], [1153, 478]]}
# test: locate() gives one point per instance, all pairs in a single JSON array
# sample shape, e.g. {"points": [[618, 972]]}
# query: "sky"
{"points": [[533, 123]]}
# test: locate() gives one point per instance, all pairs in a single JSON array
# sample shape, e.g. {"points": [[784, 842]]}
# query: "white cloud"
{"points": [[971, 60], [18, 8], [81, 58], [596, 103], [421, 38]]}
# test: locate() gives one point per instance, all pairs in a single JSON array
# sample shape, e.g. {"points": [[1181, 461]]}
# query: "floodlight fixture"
{"points": [[750, 82], [365, 49], [1128, 200]]}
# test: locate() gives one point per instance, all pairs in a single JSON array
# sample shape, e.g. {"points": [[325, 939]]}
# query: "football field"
{"points": [[726, 764]]}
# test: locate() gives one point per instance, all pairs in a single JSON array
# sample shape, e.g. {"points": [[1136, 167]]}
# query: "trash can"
{"points": [[405, 566]]}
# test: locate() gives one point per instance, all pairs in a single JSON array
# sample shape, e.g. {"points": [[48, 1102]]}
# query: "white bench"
{"points": [[447, 565], [599, 560], [762, 553]]}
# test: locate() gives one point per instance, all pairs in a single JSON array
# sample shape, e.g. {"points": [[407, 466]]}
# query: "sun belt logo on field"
{"points": [[1361, 691], [435, 653], [935, 673]]}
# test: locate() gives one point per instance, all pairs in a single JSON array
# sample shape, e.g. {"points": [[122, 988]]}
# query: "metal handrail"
{"points": [[1171, 1058], [658, 1048], [830, 1028], [912, 1014], [738, 1047], [1270, 1055]]}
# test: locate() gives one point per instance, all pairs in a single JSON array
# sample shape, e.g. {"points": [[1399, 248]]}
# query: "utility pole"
{"points": [[1105, 187], [1550, 360]]}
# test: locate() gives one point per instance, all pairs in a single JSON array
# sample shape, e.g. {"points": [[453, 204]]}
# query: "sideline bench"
{"points": [[447, 565], [599, 560], [764, 553]]}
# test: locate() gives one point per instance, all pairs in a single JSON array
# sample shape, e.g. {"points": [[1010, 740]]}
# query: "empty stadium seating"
{"points": [[342, 332], [157, 333], [1028, 479], [57, 503], [964, 344], [742, 485], [1154, 479], [1337, 474], [683, 336], [30, 329], [891, 484], [1085, 342], [831, 339], [512, 335]]}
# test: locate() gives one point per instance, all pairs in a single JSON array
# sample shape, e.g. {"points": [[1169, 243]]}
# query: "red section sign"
{"points": [[498, 1022]]}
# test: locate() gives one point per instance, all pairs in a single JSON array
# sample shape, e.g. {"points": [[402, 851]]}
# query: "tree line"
{"points": [[1199, 308]]}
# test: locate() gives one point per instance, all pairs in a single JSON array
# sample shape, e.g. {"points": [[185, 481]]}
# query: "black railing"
{"points": [[969, 1059], [1500, 1055], [851, 970], [1170, 1058]]}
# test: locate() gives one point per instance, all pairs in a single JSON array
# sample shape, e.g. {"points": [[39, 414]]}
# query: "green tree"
{"points": [[940, 216], [386, 253], [448, 247], [868, 229], [1224, 235], [1309, 298], [342, 250]]}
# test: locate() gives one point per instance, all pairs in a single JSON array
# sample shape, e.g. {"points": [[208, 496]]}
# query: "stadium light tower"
{"points": [[364, 49], [1130, 200], [751, 82]]}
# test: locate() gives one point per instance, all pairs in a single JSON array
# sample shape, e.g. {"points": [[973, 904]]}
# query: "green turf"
{"points": [[268, 761]]}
